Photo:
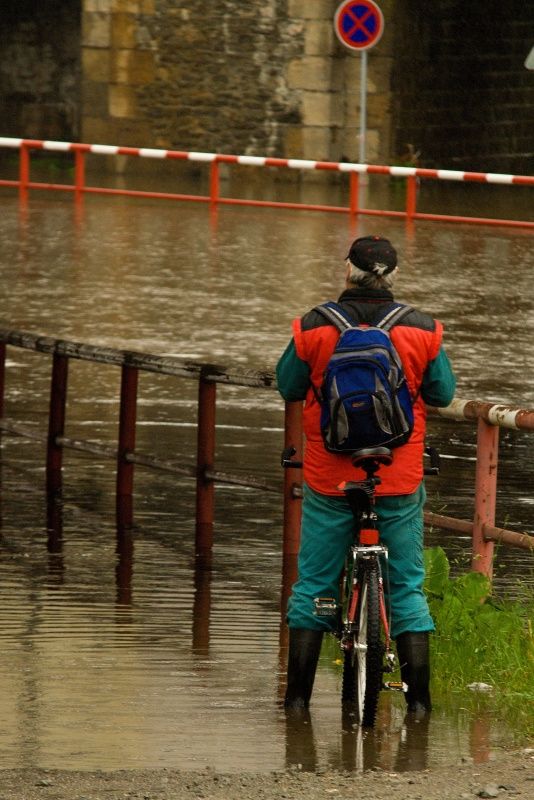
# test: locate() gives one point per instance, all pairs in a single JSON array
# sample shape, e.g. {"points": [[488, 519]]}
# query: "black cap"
{"points": [[373, 254]]}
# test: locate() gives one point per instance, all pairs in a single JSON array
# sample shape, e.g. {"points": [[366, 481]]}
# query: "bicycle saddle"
{"points": [[381, 455]]}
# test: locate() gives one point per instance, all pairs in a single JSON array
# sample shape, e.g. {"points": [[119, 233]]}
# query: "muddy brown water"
{"points": [[118, 650]]}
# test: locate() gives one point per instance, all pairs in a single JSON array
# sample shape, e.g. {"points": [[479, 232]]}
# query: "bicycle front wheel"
{"points": [[363, 661]]}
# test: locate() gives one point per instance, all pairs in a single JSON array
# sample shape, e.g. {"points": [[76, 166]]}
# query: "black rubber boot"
{"points": [[414, 660], [304, 649]]}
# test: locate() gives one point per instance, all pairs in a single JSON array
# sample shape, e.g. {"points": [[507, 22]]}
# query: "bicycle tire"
{"points": [[363, 663]]}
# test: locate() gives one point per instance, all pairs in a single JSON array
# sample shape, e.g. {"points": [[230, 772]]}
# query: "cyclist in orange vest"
{"points": [[327, 522]]}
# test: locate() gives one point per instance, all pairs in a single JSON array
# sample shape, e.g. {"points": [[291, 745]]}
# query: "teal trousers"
{"points": [[327, 532]]}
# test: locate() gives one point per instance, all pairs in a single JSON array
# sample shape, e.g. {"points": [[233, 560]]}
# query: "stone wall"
{"points": [[263, 77], [39, 68], [463, 96]]}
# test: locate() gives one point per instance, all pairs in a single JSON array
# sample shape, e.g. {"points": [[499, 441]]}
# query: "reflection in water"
{"points": [[480, 740], [119, 647], [412, 753], [300, 741], [125, 549], [124, 567], [54, 522], [389, 746], [202, 607], [185, 658]]}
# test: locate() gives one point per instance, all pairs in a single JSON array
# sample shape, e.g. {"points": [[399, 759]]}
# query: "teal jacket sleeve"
{"points": [[292, 374], [439, 382]]}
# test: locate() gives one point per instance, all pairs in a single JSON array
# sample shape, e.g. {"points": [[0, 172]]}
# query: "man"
{"points": [[327, 522]]}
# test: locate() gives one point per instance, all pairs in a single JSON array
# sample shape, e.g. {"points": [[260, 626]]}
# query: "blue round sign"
{"points": [[358, 24]]}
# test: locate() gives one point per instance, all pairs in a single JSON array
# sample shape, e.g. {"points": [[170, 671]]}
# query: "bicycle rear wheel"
{"points": [[363, 661]]}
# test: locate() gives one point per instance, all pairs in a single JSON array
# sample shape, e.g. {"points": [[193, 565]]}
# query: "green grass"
{"points": [[481, 639]]}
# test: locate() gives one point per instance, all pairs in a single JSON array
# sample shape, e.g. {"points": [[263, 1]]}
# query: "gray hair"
{"points": [[369, 280]]}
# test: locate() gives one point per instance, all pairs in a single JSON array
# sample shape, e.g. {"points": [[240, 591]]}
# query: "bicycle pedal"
{"points": [[390, 664], [325, 606], [396, 686], [391, 661]]}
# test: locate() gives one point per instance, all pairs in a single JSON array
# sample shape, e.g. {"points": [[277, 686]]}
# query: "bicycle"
{"points": [[363, 624]]}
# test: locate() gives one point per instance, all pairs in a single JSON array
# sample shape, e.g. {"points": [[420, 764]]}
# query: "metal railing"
{"points": [[489, 419], [412, 175]]}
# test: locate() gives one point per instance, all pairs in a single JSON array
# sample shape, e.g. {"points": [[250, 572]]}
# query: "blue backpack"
{"points": [[365, 400]]}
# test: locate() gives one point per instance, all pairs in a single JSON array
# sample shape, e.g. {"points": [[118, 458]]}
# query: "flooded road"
{"points": [[118, 650]]}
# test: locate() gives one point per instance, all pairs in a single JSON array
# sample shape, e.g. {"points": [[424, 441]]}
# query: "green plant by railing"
{"points": [[483, 647]]}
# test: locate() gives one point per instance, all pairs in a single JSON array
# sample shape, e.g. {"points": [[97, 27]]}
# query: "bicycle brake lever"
{"points": [[286, 461], [435, 461]]}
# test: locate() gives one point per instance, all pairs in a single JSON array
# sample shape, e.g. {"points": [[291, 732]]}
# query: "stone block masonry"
{"points": [[269, 77], [40, 69], [264, 77], [462, 95]]}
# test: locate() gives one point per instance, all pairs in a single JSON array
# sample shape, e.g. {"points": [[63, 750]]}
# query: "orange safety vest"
{"points": [[324, 471]]}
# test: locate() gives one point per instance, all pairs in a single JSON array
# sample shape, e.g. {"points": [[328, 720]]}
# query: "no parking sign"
{"points": [[359, 25]]}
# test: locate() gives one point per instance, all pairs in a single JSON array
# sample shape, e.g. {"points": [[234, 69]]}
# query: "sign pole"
{"points": [[363, 106]]}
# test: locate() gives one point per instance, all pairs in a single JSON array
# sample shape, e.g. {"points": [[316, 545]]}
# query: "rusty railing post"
{"points": [[56, 422], [354, 196], [205, 496], [127, 420], [292, 520], [485, 495], [79, 174], [24, 169], [411, 196], [292, 478], [214, 182]]}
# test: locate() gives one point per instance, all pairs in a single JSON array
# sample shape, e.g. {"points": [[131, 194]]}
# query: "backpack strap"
{"points": [[335, 315], [393, 317]]}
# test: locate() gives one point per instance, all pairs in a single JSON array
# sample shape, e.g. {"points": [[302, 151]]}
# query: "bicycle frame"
{"points": [[364, 631], [357, 553]]}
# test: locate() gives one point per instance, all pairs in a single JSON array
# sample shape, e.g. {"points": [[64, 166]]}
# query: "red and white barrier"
{"points": [[354, 170], [267, 161]]}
